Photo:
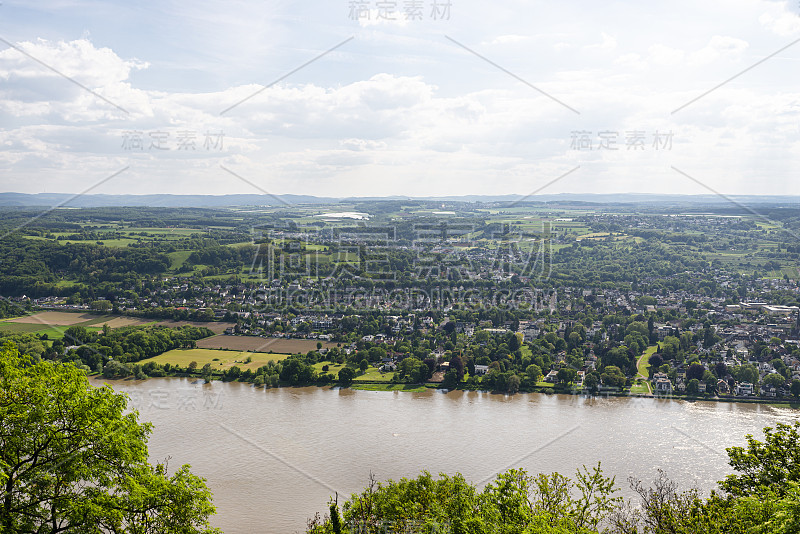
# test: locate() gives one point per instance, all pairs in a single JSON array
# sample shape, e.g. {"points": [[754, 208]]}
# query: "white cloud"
{"points": [[660, 54], [401, 110], [362, 144], [607, 42], [376, 17], [508, 39], [781, 20], [719, 47]]}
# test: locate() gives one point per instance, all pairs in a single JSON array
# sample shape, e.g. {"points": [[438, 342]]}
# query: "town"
{"points": [[506, 299]]}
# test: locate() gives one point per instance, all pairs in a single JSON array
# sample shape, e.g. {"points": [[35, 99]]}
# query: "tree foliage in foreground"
{"points": [[72, 461], [763, 497]]}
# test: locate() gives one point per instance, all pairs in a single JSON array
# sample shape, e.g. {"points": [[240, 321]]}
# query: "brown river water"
{"points": [[273, 457]]}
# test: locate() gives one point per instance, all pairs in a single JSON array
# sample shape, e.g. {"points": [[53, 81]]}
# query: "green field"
{"points": [[642, 364], [118, 243], [182, 232], [52, 331], [126, 235], [178, 258], [372, 374], [219, 359], [20, 328], [642, 384]]}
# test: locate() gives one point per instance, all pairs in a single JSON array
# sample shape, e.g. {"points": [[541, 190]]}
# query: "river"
{"points": [[273, 457]]}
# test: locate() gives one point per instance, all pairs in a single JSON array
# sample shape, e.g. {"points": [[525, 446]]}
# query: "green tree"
{"points": [[77, 335], [346, 376], [512, 503], [796, 387], [746, 373], [775, 380], [695, 370], [206, 372], [450, 380], [770, 464], [376, 354], [692, 388], [513, 340], [655, 360], [457, 365], [72, 460], [534, 372], [567, 375], [613, 376], [115, 369], [512, 386], [591, 382]]}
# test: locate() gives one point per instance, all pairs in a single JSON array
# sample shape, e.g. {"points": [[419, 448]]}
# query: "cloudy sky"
{"points": [[405, 97]]}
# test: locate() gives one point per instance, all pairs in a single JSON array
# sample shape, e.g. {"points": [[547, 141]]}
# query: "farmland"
{"points": [[260, 344], [372, 374], [219, 359], [54, 323]]}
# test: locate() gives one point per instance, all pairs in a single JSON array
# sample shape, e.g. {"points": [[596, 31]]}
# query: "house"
{"points": [[481, 370], [465, 328], [530, 333], [744, 389], [722, 387], [551, 376], [663, 385]]}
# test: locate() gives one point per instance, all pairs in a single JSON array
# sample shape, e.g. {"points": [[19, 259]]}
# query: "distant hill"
{"points": [[163, 201], [218, 201]]}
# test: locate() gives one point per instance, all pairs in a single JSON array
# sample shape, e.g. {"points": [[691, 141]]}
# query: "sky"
{"points": [[407, 97]]}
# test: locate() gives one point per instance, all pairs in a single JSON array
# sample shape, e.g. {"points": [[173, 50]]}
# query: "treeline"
{"points": [[33, 267], [28, 344], [761, 497], [297, 370], [610, 265], [9, 309], [116, 348], [142, 216]]}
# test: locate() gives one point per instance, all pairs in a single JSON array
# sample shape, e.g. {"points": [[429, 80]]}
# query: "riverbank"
{"points": [[377, 385]]}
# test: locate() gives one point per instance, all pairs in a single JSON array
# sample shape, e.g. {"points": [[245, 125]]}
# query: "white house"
{"points": [[481, 370]]}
